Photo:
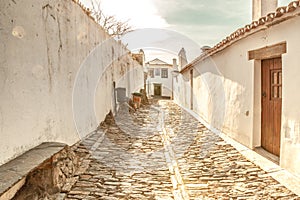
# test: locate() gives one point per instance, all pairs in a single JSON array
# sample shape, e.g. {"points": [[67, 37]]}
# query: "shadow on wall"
{"points": [[93, 95], [209, 80], [218, 100]]}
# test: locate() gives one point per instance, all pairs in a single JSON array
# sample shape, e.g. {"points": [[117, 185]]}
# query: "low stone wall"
{"points": [[50, 176]]}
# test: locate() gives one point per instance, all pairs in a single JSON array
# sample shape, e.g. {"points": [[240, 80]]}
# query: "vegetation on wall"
{"points": [[110, 23]]}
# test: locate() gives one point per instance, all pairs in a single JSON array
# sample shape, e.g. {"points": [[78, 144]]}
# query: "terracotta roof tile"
{"points": [[235, 36], [280, 11], [270, 17], [262, 20], [292, 6]]}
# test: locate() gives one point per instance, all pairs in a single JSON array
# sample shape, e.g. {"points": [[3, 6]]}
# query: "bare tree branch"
{"points": [[110, 24]]}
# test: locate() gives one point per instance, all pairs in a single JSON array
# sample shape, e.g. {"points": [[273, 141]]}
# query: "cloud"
{"points": [[141, 14], [284, 2], [205, 34], [161, 40], [207, 22]]}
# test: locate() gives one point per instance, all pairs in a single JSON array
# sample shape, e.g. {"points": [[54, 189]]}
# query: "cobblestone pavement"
{"points": [[162, 152]]}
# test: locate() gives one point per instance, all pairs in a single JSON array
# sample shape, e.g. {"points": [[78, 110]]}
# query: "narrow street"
{"points": [[162, 152]]}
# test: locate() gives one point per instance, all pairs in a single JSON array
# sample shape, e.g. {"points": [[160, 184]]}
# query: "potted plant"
{"points": [[137, 98]]}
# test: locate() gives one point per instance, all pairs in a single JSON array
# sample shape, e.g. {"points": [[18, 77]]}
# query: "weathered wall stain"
{"points": [[60, 46], [46, 29], [1, 120]]}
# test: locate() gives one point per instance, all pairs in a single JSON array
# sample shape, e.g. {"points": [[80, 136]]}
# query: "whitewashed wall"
{"points": [[46, 46], [227, 90]]}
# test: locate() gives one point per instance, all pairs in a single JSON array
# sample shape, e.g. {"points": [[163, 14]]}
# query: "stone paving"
{"points": [[162, 152]]}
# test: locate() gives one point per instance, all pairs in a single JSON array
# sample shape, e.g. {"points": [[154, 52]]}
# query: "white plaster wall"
{"points": [[43, 45], [290, 131], [126, 73], [227, 90]]}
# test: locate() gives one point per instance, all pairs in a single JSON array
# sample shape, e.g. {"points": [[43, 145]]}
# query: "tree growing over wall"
{"points": [[111, 25]]}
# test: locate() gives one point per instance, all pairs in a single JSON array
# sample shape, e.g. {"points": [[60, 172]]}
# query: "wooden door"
{"points": [[271, 105], [157, 89]]}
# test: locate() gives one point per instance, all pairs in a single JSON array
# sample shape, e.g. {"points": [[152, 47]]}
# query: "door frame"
{"points": [[159, 85], [257, 55]]}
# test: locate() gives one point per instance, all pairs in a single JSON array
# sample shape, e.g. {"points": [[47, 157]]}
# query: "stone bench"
{"points": [[13, 175]]}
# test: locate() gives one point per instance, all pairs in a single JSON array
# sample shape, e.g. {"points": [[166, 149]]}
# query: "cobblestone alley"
{"points": [[162, 152]]}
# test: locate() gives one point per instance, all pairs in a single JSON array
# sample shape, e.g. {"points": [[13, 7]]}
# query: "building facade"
{"points": [[159, 79], [246, 85]]}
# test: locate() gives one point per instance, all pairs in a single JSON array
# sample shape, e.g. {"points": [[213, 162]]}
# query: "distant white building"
{"points": [[159, 80]]}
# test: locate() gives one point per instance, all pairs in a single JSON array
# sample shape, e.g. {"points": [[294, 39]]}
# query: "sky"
{"points": [[206, 22]]}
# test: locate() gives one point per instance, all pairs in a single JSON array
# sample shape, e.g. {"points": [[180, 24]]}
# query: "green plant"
{"points": [[137, 94]]}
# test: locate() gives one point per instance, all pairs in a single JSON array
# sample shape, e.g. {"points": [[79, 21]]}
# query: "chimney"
{"points": [[175, 66], [182, 60], [261, 8], [142, 53], [174, 62]]}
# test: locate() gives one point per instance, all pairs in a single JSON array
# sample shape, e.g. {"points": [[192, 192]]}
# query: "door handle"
{"points": [[264, 94]]}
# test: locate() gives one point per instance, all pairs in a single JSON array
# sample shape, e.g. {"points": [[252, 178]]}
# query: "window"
{"points": [[164, 73], [151, 73], [276, 84], [157, 72]]}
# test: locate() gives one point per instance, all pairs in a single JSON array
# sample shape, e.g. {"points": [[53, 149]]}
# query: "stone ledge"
{"points": [[13, 173]]}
